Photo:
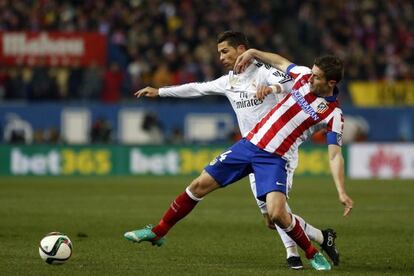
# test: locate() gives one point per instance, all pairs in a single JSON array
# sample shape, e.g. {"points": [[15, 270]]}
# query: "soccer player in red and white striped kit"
{"points": [[269, 146]]}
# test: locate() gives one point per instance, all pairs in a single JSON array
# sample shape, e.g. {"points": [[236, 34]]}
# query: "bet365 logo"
{"points": [[61, 162]]}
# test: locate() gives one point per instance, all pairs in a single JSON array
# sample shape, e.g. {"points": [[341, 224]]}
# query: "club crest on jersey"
{"points": [[322, 107]]}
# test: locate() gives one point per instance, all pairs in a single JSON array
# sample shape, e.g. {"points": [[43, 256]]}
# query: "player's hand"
{"points": [[347, 202], [147, 92], [262, 92], [243, 61]]}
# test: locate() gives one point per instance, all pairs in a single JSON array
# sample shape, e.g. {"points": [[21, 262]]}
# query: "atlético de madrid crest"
{"points": [[322, 107]]}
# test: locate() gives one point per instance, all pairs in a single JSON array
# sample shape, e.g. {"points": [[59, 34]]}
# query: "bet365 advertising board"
{"points": [[41, 160]]}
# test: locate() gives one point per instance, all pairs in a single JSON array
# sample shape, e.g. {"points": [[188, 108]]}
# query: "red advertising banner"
{"points": [[381, 161], [52, 48]]}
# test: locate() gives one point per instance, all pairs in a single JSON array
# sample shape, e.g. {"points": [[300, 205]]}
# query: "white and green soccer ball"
{"points": [[55, 248]]}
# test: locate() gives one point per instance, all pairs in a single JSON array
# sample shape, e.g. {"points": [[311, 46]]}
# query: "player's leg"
{"points": [[313, 233], [292, 256], [179, 208], [276, 205], [227, 168], [271, 184], [271, 181], [293, 259], [185, 202], [325, 238]]}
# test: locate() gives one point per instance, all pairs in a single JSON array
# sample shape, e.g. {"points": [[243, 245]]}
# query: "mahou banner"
{"points": [[52, 48]]}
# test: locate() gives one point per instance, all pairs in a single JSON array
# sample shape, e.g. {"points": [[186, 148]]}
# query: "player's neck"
{"points": [[328, 93]]}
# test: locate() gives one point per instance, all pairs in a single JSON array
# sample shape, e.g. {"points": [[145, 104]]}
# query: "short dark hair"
{"points": [[332, 66], [233, 38]]}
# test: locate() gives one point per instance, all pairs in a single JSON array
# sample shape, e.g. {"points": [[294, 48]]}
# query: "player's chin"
{"points": [[313, 89]]}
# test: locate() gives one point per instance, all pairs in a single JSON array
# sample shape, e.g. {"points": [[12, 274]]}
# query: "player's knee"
{"points": [[276, 216], [202, 185]]}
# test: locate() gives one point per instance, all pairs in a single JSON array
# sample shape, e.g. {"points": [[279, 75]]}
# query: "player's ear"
{"points": [[332, 83], [241, 48]]}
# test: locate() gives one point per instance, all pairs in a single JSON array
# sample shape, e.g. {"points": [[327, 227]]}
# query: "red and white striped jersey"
{"points": [[296, 117]]}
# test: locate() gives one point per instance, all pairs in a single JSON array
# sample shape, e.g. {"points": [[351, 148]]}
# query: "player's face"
{"points": [[228, 54], [318, 83]]}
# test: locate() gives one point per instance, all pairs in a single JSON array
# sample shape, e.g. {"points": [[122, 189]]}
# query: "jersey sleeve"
{"points": [[335, 128], [287, 85], [274, 76], [195, 89], [296, 71]]}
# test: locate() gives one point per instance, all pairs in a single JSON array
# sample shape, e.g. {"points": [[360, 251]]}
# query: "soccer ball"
{"points": [[55, 248]]}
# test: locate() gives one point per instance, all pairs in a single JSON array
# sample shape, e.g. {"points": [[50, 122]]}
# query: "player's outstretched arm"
{"points": [[274, 60], [336, 163], [147, 92]]}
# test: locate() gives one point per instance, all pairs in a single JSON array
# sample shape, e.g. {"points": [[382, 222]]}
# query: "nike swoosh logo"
{"points": [[280, 184]]}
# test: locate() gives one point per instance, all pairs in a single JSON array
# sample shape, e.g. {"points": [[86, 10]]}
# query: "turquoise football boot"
{"points": [[319, 262], [144, 234]]}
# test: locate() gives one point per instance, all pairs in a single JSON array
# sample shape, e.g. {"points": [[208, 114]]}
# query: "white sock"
{"points": [[292, 252], [287, 241], [290, 245], [313, 233]]}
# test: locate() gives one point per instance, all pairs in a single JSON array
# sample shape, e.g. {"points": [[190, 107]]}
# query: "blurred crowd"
{"points": [[162, 43]]}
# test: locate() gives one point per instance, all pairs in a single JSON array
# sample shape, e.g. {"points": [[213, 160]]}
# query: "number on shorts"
{"points": [[224, 155]]}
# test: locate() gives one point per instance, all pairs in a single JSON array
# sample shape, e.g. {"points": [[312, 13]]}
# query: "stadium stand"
{"points": [[172, 42]]}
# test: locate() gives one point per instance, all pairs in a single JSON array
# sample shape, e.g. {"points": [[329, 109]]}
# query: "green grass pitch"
{"points": [[224, 235]]}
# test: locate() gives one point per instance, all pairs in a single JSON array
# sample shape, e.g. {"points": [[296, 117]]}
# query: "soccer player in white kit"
{"points": [[252, 94]]}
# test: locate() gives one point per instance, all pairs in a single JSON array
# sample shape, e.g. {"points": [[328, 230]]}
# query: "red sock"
{"points": [[179, 208], [298, 235]]}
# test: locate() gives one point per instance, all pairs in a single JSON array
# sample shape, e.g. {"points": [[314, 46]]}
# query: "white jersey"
{"points": [[296, 117], [240, 90]]}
